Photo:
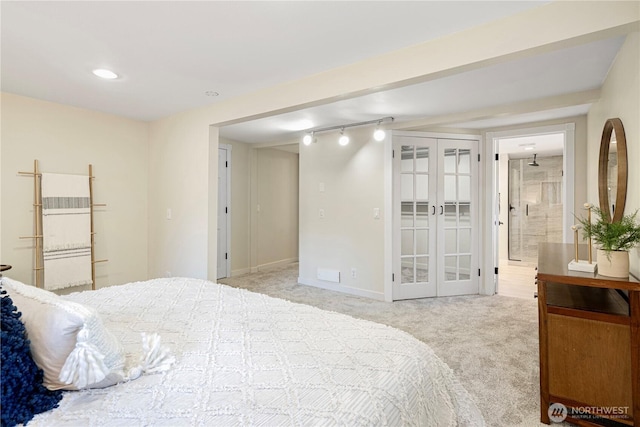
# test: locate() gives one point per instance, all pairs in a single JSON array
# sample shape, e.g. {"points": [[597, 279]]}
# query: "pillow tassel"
{"points": [[155, 358], [84, 365]]}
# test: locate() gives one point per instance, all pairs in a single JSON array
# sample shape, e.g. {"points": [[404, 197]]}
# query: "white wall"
{"points": [[66, 140], [620, 98], [348, 236], [240, 201]]}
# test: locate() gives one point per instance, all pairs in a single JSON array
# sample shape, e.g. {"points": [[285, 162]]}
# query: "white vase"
{"points": [[613, 263]]}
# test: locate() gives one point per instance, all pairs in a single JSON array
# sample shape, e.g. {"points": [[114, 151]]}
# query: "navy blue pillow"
{"points": [[22, 393]]}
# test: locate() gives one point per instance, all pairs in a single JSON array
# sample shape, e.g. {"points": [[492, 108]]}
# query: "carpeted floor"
{"points": [[491, 343]]}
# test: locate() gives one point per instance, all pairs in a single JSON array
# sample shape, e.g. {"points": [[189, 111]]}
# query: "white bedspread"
{"points": [[248, 359]]}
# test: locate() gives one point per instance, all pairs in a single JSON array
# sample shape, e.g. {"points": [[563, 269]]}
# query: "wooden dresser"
{"points": [[589, 342]]}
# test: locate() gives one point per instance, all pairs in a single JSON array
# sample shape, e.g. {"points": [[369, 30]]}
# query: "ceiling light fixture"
{"points": [[105, 74], [378, 135], [308, 139], [211, 93], [529, 148], [344, 139]]}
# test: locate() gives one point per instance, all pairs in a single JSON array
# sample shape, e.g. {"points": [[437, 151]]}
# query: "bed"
{"points": [[242, 358]]}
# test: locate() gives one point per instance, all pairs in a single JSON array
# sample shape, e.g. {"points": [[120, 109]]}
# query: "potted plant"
{"points": [[614, 240]]}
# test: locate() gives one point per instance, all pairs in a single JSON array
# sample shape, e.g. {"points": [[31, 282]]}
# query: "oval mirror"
{"points": [[612, 170]]}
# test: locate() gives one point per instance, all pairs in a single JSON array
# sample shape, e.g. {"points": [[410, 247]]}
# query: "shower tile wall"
{"points": [[535, 200]]}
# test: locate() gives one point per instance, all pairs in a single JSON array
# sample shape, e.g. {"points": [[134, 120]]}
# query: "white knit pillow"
{"points": [[68, 340]]}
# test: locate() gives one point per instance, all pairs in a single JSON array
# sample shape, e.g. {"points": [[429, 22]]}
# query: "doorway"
{"points": [[435, 225], [224, 206], [533, 201]]}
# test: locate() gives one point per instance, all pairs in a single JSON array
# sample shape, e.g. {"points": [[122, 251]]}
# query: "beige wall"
{"points": [[276, 234], [620, 98], [348, 236], [66, 140], [181, 179]]}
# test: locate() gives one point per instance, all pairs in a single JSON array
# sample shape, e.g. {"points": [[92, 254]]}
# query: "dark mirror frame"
{"points": [[603, 170]]}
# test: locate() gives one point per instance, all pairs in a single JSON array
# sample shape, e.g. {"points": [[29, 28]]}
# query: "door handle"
{"points": [[441, 210], [434, 210], [527, 210], [512, 208]]}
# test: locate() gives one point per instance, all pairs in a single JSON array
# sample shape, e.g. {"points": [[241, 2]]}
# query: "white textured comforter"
{"points": [[248, 359]]}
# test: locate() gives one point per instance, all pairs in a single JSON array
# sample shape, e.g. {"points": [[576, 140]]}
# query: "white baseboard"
{"points": [[272, 265], [341, 288]]}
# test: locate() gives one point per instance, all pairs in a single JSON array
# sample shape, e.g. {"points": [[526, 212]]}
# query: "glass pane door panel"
{"points": [[464, 161], [464, 267], [464, 216], [450, 215], [406, 164], [422, 269], [422, 159], [422, 214], [407, 214], [407, 242], [450, 241], [422, 242], [407, 187], [464, 188], [450, 160], [407, 270], [450, 192], [464, 240], [422, 187], [450, 268]]}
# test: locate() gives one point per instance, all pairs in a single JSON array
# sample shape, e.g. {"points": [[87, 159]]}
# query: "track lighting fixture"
{"points": [[378, 135]]}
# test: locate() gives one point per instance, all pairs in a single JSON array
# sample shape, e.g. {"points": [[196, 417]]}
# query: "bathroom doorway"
{"points": [[531, 205]]}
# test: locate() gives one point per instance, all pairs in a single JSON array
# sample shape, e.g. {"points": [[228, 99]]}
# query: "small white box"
{"points": [[582, 265]]}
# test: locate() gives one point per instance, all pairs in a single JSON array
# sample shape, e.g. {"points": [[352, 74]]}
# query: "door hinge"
{"points": [[226, 255], [478, 157], [497, 156], [393, 154], [393, 277], [226, 164], [226, 210], [496, 270], [478, 272]]}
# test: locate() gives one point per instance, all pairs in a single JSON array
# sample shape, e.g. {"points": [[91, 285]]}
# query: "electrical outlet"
{"points": [[321, 213], [354, 273], [376, 213], [169, 213]]}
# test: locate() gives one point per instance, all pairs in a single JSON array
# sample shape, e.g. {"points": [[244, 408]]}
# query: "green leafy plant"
{"points": [[612, 236]]}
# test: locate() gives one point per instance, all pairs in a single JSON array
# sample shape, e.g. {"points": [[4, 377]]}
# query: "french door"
{"points": [[435, 217]]}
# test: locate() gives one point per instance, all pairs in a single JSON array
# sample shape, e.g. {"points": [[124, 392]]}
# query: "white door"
{"points": [[415, 163], [458, 213], [224, 158], [435, 217]]}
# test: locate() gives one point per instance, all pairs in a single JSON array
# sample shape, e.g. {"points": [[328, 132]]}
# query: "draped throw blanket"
{"points": [[66, 228]]}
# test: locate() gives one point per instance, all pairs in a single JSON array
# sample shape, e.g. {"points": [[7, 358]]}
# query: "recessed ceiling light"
{"points": [[211, 93], [529, 148], [105, 74]]}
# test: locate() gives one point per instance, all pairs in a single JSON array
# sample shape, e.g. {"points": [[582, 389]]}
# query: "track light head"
{"points": [[344, 139], [308, 139], [379, 134]]}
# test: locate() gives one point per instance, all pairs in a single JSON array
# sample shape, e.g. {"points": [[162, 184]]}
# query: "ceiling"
{"points": [[169, 54]]}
